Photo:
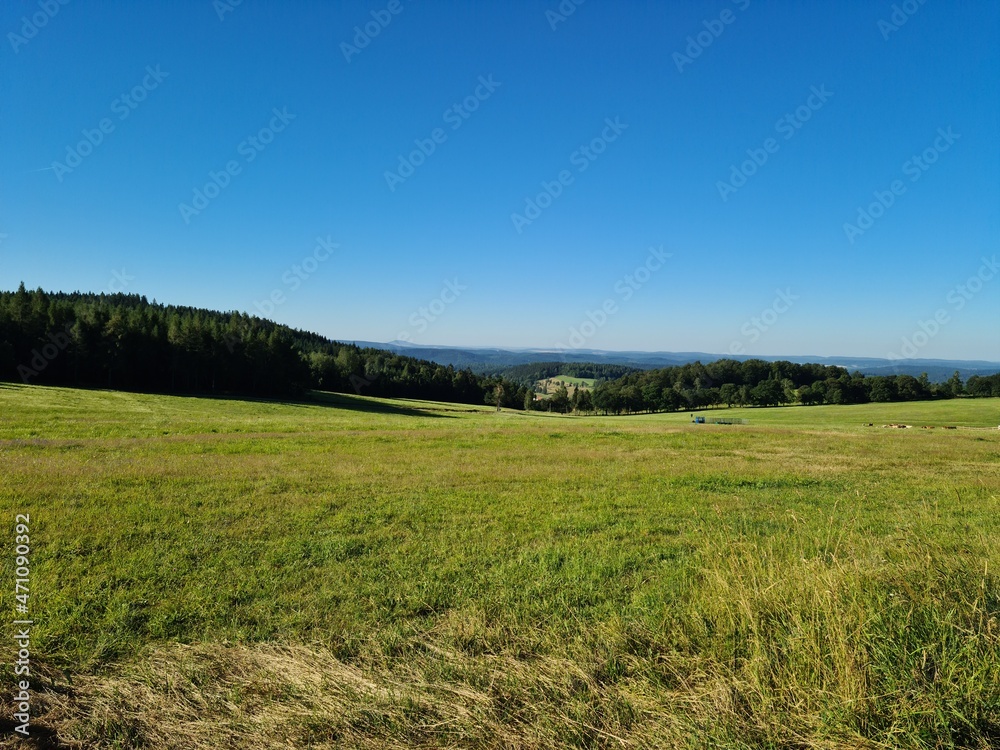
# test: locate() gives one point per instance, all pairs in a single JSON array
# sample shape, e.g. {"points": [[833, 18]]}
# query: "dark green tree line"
{"points": [[124, 342], [755, 382]]}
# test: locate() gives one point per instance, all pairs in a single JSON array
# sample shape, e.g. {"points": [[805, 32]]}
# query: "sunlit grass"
{"points": [[468, 578]]}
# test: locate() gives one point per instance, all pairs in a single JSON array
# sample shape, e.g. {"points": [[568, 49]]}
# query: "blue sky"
{"points": [[743, 137]]}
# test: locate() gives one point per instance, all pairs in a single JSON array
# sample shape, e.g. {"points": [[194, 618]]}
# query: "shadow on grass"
{"points": [[39, 736], [309, 398], [370, 405]]}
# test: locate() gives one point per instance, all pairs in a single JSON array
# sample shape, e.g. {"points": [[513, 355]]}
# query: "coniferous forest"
{"points": [[123, 341]]}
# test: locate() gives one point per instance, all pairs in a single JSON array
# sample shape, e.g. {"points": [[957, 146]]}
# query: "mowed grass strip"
{"points": [[357, 573]]}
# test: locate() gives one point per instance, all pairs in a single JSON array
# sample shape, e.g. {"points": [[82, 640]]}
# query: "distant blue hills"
{"points": [[484, 359]]}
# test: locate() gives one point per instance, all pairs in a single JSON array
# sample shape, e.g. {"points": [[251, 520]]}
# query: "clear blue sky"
{"points": [[886, 93]]}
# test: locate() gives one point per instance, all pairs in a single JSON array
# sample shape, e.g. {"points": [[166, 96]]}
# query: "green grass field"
{"points": [[353, 572], [579, 382], [551, 385]]}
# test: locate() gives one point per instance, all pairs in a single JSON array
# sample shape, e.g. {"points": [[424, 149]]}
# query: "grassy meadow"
{"points": [[363, 573], [551, 385]]}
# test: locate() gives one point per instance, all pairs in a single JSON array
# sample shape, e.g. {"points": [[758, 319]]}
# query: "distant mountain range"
{"points": [[488, 360]]}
